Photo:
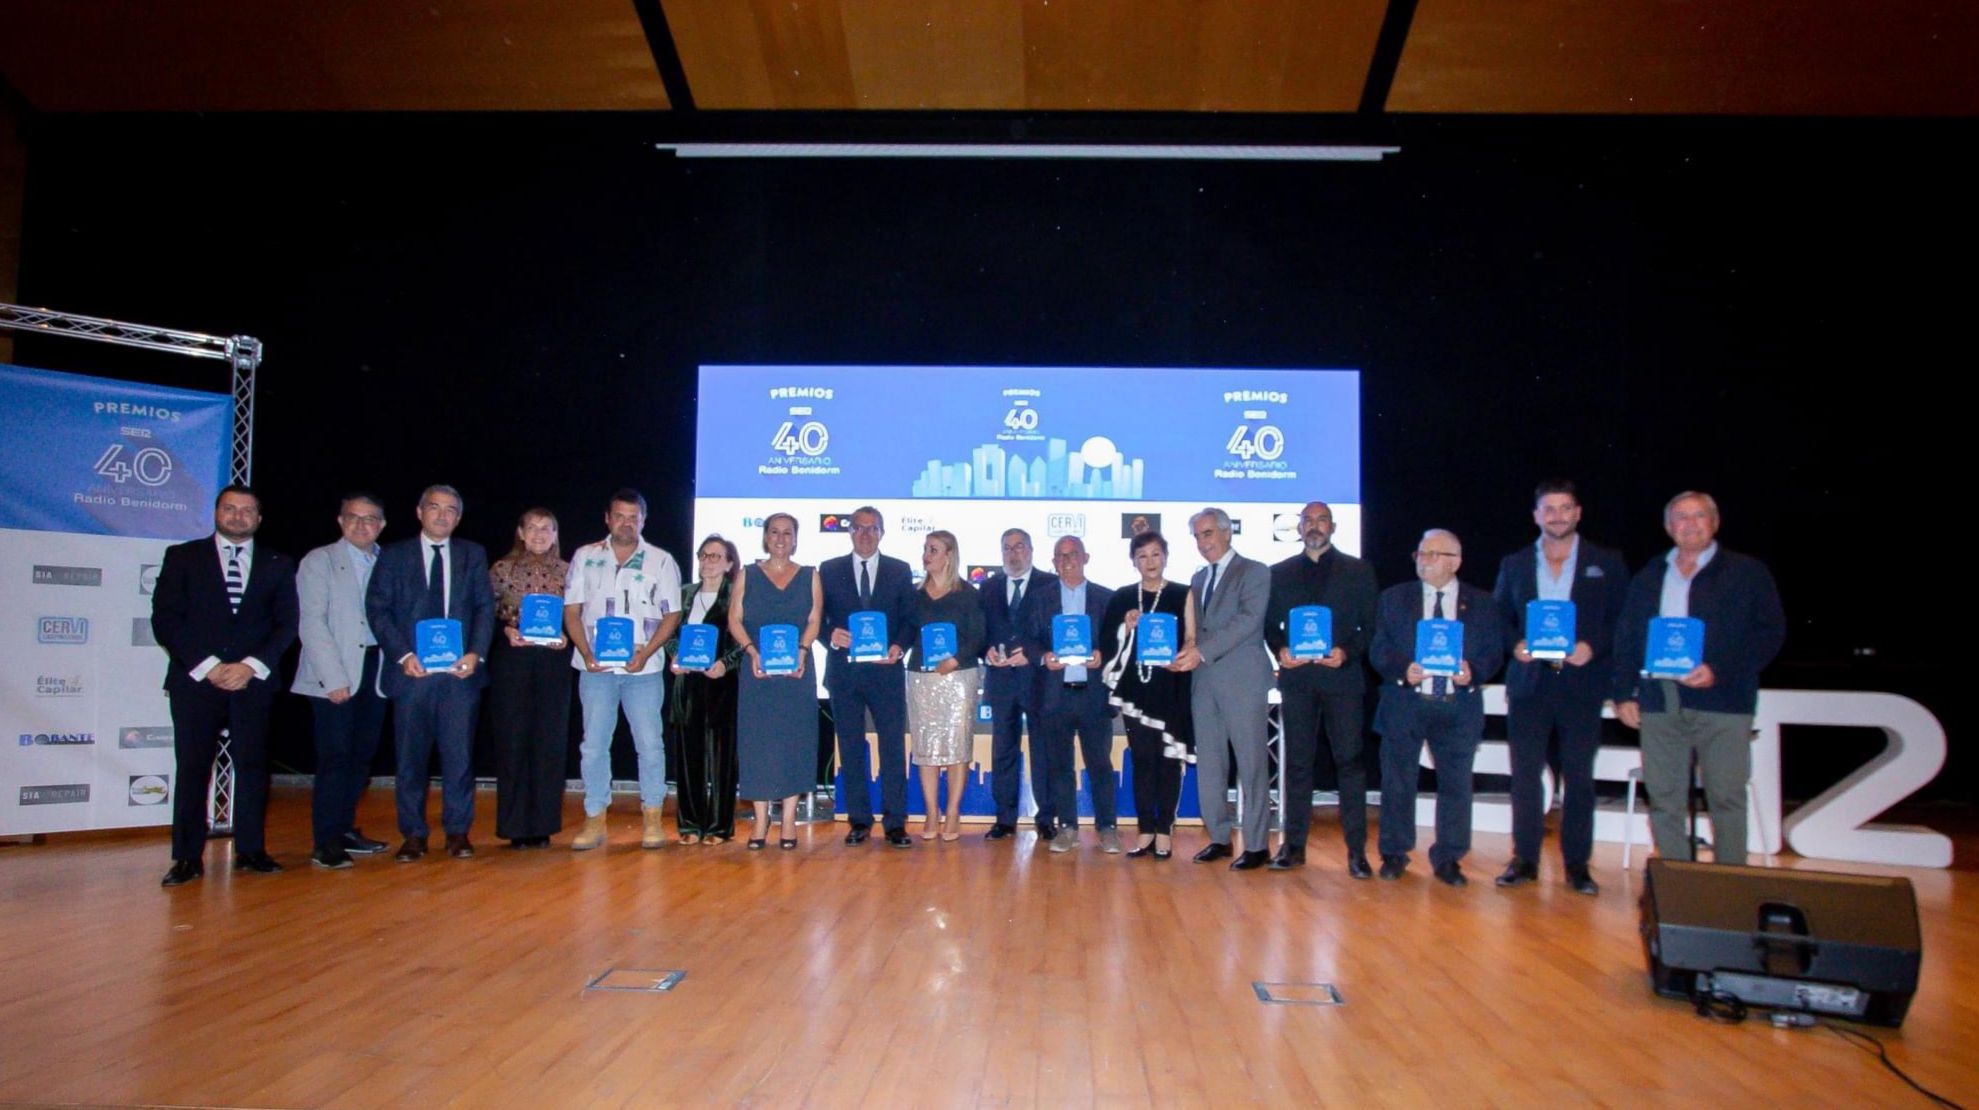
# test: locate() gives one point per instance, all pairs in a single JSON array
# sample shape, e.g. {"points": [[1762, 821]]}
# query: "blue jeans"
{"points": [[642, 695]]}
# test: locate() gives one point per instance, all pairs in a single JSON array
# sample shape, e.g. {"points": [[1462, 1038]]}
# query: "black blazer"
{"points": [[893, 584], [1744, 629], [1394, 649], [192, 618], [1052, 693], [398, 585], [1601, 582], [1004, 627], [1347, 587]]}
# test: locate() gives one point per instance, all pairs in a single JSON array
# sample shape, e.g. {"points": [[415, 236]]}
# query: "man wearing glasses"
{"points": [[1446, 712], [867, 581], [338, 673]]}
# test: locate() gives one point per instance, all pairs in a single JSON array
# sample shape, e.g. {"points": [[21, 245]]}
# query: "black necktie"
{"points": [[435, 604], [1016, 594], [1440, 686], [865, 584], [1209, 587]]}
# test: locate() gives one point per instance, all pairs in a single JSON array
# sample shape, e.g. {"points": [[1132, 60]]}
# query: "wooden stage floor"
{"points": [[951, 975]]}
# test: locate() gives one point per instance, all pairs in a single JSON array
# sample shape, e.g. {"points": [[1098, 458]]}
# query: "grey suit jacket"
{"points": [[1230, 632], [333, 628]]}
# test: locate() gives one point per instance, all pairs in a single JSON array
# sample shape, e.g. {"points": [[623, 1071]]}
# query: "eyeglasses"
{"points": [[367, 521], [1438, 555]]}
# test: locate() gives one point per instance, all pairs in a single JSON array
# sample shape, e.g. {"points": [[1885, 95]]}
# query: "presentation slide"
{"points": [[1095, 452]]}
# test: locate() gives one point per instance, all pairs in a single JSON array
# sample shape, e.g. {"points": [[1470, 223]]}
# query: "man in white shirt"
{"points": [[622, 577]]}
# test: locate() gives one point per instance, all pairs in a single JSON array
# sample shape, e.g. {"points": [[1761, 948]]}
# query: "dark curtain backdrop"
{"points": [[1770, 310]]}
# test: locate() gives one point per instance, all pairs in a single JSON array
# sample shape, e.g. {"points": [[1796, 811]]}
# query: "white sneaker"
{"points": [[1066, 840], [1109, 841]]}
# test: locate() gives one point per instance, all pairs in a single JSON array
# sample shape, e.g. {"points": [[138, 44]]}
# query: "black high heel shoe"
{"points": [[757, 843], [1141, 852], [787, 845], [1164, 853]]}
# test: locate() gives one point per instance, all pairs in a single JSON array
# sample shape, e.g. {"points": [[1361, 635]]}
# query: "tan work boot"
{"points": [[655, 836], [592, 835]]}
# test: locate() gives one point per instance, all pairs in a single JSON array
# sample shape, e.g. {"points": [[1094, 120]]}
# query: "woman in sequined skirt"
{"points": [[941, 699]]}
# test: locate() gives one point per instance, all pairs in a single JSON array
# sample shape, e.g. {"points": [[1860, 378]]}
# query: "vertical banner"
{"points": [[97, 478]]}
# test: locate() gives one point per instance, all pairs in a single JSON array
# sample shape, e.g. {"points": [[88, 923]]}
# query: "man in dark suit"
{"points": [[224, 609], [430, 576], [1009, 600], [1447, 713], [1071, 698], [1329, 691], [1560, 696], [1229, 692], [1707, 712], [867, 580]]}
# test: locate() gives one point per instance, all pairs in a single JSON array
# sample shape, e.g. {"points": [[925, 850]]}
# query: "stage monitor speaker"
{"points": [[1821, 942]]}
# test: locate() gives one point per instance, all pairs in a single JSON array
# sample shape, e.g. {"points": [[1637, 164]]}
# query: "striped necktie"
{"points": [[236, 577], [1439, 686]]}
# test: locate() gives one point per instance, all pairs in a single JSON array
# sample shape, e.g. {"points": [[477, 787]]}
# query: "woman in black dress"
{"points": [[701, 704], [1153, 700], [529, 691]]}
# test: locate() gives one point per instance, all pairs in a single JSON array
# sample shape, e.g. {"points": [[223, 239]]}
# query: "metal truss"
{"points": [[242, 353]]}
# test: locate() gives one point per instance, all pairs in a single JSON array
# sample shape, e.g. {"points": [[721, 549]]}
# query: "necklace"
{"points": [[1146, 603]]}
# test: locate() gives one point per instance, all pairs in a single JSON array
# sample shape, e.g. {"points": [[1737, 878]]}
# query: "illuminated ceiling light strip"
{"points": [[1170, 152]]}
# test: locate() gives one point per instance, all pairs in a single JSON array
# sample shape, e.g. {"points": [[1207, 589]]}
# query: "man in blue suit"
{"points": [[224, 609], [1445, 712], [430, 576], [866, 580], [1010, 598], [1560, 696], [1707, 712], [1071, 698]]}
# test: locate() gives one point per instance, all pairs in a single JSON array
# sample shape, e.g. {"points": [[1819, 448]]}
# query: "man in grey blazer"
{"points": [[338, 672], [1232, 681]]}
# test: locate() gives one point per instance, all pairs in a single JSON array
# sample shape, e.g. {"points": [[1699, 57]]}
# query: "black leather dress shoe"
{"points": [[1251, 861], [459, 847], [1582, 882], [1450, 874], [261, 863], [857, 834], [1047, 832], [1516, 872], [1213, 852], [331, 859], [413, 849], [358, 844], [1393, 866], [183, 871], [898, 838], [1357, 867], [1000, 832], [1288, 857]]}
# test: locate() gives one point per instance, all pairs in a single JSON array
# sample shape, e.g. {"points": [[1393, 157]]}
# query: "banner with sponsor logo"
{"points": [[97, 477]]}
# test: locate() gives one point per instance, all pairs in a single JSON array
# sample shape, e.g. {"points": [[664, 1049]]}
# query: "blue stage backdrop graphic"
{"points": [[1100, 453], [96, 478], [110, 458]]}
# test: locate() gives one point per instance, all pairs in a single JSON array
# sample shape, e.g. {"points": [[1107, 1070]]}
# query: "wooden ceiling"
{"points": [[1706, 57]]}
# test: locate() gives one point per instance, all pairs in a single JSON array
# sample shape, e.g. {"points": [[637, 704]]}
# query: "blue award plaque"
{"points": [[1675, 647], [776, 647], [937, 644], [1549, 629], [1071, 636], [1440, 647], [868, 629], [1309, 632], [1156, 639], [439, 643], [611, 641], [540, 619], [698, 645]]}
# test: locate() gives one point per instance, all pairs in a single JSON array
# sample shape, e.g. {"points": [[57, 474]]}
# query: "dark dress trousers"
{"points": [[701, 720], [1548, 698], [1452, 724], [1312, 697], [859, 689], [193, 620], [1065, 709], [1012, 692], [439, 710]]}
